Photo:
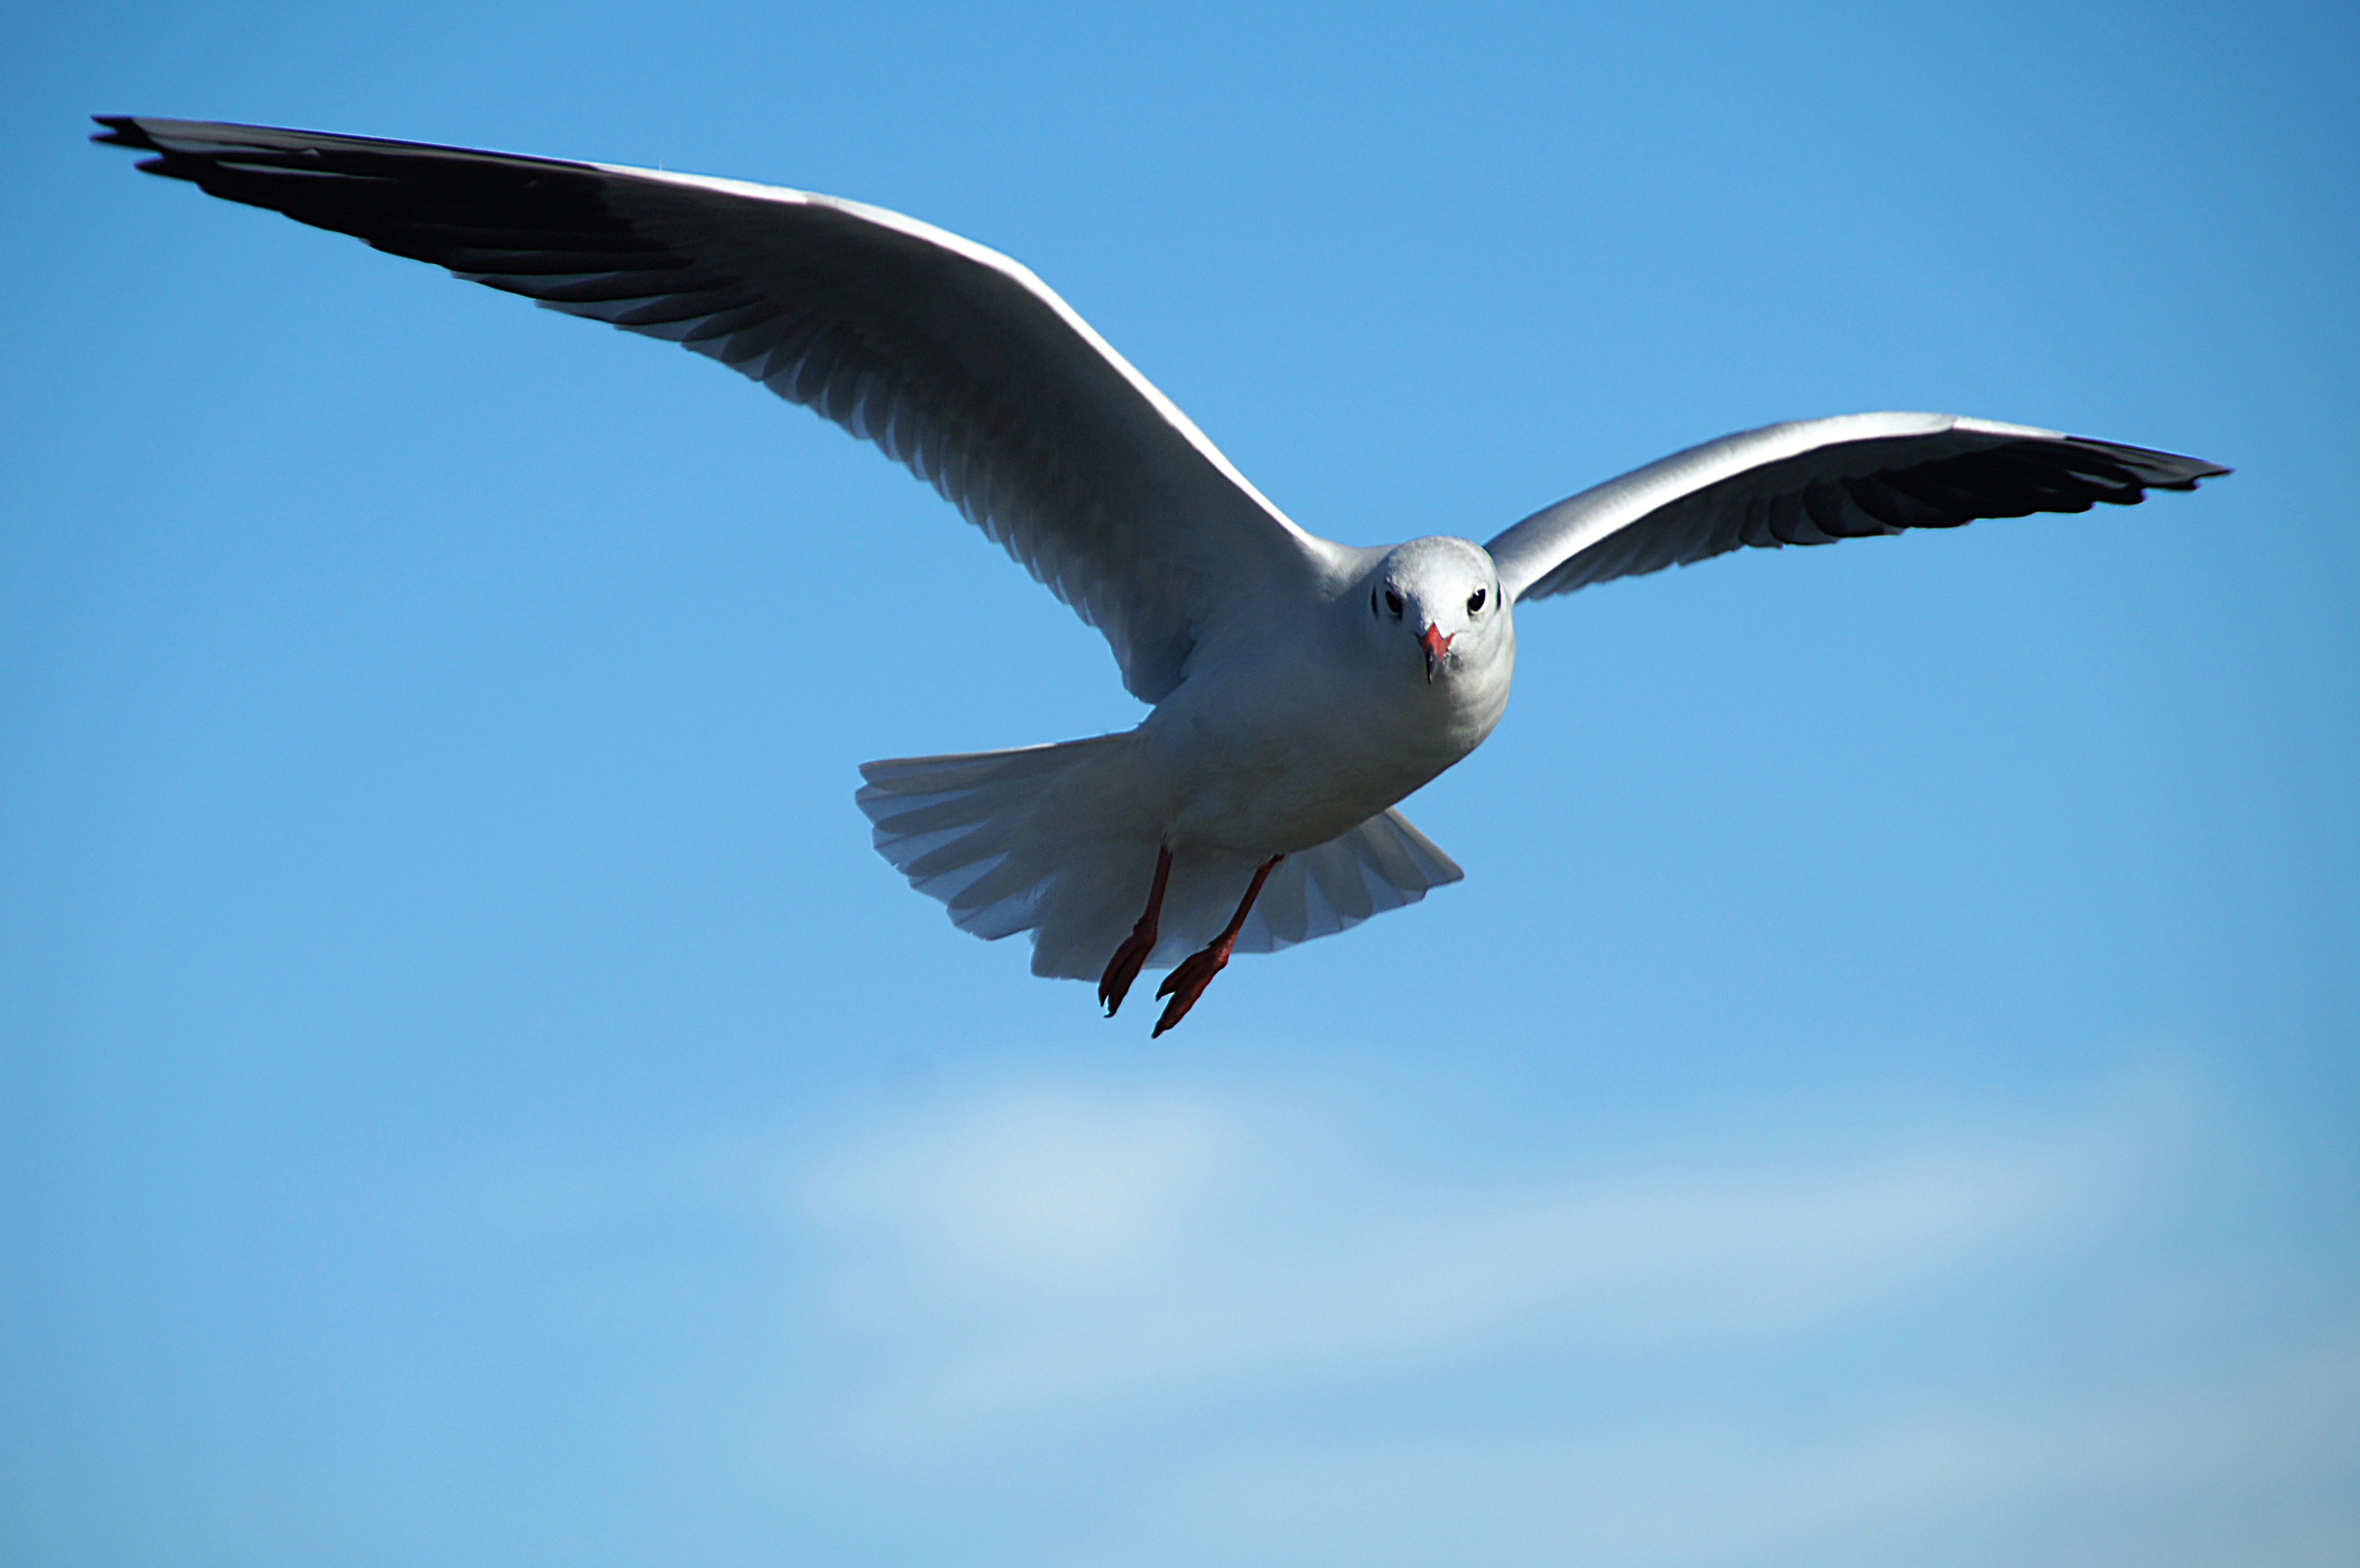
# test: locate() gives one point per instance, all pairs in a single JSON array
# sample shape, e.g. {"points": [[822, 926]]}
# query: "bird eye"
{"points": [[1475, 602], [1393, 602]]}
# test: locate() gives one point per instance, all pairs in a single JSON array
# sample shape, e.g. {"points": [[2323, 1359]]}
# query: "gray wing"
{"points": [[955, 360], [1818, 481]]}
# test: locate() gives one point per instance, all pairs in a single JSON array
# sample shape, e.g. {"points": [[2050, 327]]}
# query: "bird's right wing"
{"points": [[1818, 481], [954, 359]]}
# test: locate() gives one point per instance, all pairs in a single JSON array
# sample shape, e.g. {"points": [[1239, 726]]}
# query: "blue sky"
{"points": [[1885, 1092]]}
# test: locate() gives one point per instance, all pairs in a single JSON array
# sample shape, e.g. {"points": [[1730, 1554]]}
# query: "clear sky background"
{"points": [[1884, 1093]]}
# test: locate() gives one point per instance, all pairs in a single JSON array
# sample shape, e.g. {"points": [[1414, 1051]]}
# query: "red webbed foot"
{"points": [[1123, 967], [1188, 982]]}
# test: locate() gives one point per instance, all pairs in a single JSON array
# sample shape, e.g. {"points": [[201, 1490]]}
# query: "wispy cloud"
{"points": [[1377, 1367], [1051, 1251], [1220, 1325]]}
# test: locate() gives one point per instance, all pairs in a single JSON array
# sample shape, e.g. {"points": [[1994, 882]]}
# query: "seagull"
{"points": [[1299, 687]]}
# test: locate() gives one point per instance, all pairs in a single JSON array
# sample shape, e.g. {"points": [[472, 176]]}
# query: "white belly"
{"points": [[1266, 766]]}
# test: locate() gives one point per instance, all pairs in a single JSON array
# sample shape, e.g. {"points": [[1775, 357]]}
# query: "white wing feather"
{"points": [[954, 359], [1817, 481]]}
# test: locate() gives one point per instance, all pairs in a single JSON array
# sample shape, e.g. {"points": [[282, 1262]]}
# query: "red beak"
{"points": [[1435, 643]]}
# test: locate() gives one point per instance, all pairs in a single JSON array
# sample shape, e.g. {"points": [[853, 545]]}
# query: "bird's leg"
{"points": [[1123, 967], [1188, 982]]}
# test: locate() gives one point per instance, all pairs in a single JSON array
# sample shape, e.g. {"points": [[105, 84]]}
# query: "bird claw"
{"points": [[1188, 982], [1124, 966], [1122, 969]]}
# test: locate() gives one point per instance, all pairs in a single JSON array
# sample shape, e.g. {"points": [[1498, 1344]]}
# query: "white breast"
{"points": [[1304, 739]]}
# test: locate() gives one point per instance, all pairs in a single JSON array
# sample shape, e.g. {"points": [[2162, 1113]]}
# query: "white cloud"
{"points": [[1217, 1325], [1038, 1193], [1040, 1254]]}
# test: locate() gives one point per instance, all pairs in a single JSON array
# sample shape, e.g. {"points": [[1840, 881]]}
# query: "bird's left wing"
{"points": [[955, 360], [1818, 481]]}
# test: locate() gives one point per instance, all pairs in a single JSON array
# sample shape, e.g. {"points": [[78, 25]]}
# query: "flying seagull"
{"points": [[1299, 687]]}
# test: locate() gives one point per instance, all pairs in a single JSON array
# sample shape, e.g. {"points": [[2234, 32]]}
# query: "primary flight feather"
{"points": [[1300, 687]]}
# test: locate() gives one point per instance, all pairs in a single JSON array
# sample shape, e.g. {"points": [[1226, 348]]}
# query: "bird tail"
{"points": [[1058, 840]]}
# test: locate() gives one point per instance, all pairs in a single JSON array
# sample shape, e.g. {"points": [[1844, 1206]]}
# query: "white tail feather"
{"points": [[1382, 864], [1053, 840]]}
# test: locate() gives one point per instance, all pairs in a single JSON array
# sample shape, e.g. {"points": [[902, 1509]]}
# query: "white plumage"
{"points": [[1300, 687], [1001, 838]]}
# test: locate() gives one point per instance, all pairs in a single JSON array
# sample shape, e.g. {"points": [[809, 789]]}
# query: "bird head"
{"points": [[1436, 602]]}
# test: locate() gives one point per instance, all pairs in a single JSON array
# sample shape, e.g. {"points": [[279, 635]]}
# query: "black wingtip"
{"points": [[2199, 471], [122, 130]]}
